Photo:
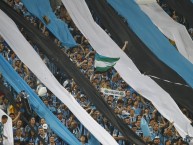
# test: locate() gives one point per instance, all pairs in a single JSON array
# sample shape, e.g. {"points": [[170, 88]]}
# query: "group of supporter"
{"points": [[132, 107]]}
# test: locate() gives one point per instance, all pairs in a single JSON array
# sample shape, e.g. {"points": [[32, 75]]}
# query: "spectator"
{"points": [[19, 125], [31, 137], [42, 137], [4, 119], [31, 126], [130, 107], [18, 136], [84, 140], [52, 141]]}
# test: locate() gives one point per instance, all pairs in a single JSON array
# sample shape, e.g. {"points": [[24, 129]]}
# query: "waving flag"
{"points": [[150, 35], [103, 63], [65, 64], [103, 44], [28, 56], [43, 10], [36, 103], [143, 58]]}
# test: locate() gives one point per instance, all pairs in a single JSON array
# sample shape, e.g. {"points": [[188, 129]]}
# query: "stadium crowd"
{"points": [[131, 108]]}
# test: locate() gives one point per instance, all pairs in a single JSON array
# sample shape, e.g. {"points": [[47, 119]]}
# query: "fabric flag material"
{"points": [[8, 129], [103, 63], [42, 8], [62, 61], [153, 38], [184, 8], [30, 58], [169, 28], [145, 128], [35, 102], [143, 58], [144, 85]]}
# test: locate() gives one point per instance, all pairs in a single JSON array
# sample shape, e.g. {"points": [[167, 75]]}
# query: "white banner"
{"points": [[145, 1], [8, 129], [144, 85], [169, 27], [22, 48], [112, 92]]}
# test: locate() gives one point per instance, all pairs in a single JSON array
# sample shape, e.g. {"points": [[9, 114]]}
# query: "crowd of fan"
{"points": [[131, 108]]}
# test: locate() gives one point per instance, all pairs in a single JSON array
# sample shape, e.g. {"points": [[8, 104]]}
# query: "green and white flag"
{"points": [[103, 63]]}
